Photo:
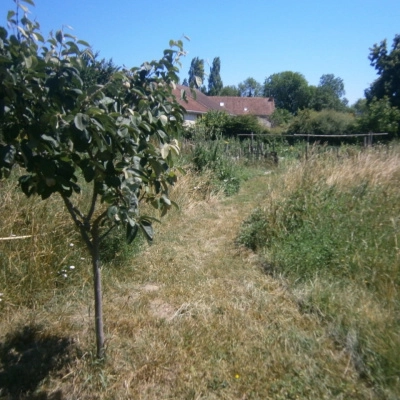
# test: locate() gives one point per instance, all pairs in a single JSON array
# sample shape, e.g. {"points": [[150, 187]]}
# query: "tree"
{"points": [[380, 116], [289, 89], [95, 72], [214, 79], [333, 84], [231, 91], [117, 137], [329, 94], [196, 73], [250, 88], [360, 107], [387, 65]]}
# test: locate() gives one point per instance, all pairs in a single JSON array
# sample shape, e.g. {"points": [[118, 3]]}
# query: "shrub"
{"points": [[325, 122]]}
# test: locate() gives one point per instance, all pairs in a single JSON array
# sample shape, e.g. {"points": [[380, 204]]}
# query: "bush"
{"points": [[243, 124], [325, 122]]}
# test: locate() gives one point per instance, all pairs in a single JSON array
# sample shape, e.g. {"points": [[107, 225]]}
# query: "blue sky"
{"points": [[253, 38]]}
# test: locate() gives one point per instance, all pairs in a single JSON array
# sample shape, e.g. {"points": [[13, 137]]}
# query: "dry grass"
{"points": [[331, 228], [191, 317]]}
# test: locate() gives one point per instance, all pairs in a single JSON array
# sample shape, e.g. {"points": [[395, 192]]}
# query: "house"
{"points": [[197, 104]]}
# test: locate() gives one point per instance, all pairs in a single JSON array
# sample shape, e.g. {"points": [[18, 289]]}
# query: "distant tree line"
{"points": [[323, 107]]}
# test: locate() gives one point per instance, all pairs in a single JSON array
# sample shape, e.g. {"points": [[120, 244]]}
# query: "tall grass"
{"points": [[331, 227]]}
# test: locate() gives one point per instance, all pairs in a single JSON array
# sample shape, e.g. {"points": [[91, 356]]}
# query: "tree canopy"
{"points": [[250, 88], [215, 84], [329, 94], [387, 65], [289, 89], [196, 73], [230, 90]]}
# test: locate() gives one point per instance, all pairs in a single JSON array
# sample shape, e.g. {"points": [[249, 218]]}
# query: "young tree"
{"points": [[289, 89], [215, 84], [196, 73], [117, 136], [387, 65], [250, 88]]}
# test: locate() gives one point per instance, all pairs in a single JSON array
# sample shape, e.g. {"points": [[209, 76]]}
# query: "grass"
{"points": [[331, 229], [193, 316]]}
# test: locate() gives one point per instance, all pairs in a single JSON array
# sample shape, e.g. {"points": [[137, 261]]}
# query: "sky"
{"points": [[253, 38]]}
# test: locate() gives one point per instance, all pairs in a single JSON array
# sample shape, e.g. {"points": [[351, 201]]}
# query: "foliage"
{"points": [[329, 94], [96, 72], [215, 124], [380, 116], [359, 107], [280, 117], [333, 83], [387, 65], [289, 89], [243, 124], [117, 136], [209, 156], [196, 73], [250, 88], [231, 91], [325, 122], [215, 84]]}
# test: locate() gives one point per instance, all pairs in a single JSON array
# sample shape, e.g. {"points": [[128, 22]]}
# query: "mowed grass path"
{"points": [[201, 320]]}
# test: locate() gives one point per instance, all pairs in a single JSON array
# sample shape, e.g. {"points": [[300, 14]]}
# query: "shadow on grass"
{"points": [[27, 356]]}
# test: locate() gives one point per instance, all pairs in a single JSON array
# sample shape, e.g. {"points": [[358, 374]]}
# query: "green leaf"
{"points": [[10, 15], [59, 36], [81, 121], [166, 200], [7, 155], [112, 211], [30, 2], [22, 7], [174, 204], [83, 43], [131, 232], [147, 229], [50, 139], [88, 173]]}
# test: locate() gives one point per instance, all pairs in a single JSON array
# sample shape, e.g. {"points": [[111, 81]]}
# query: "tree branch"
{"points": [[74, 212]]}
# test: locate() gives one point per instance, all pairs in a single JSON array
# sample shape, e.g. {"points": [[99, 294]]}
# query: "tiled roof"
{"points": [[199, 103], [260, 106]]}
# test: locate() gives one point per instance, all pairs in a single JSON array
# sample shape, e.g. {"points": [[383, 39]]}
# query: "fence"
{"points": [[271, 147]]}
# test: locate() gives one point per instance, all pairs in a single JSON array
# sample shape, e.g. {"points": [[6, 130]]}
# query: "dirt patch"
{"points": [[150, 287], [161, 310]]}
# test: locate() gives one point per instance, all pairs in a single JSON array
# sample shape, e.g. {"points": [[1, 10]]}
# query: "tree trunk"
{"points": [[98, 301]]}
